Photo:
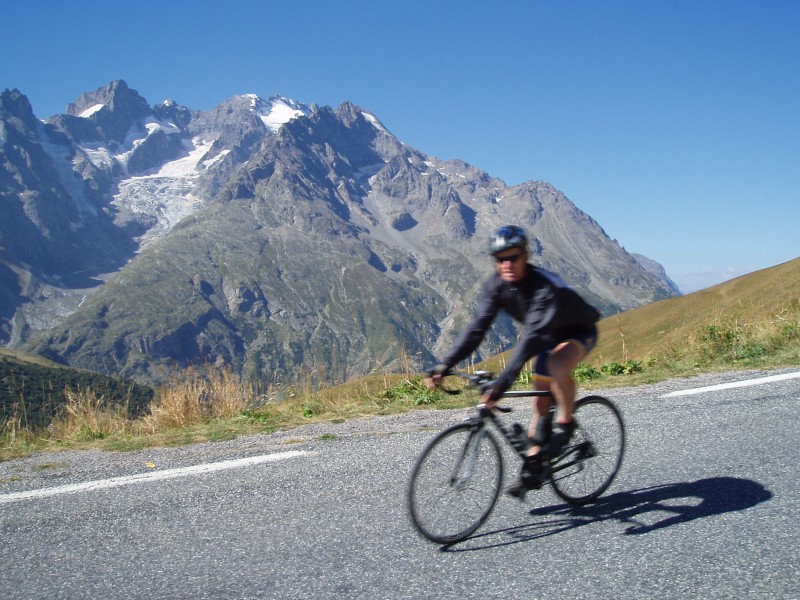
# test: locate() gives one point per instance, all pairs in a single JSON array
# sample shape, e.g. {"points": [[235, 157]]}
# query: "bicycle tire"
{"points": [[591, 461], [455, 483]]}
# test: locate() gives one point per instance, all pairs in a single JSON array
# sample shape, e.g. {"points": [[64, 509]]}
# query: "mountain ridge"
{"points": [[271, 235]]}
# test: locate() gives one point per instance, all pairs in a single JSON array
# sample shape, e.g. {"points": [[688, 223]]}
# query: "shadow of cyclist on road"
{"points": [[642, 510], [682, 502]]}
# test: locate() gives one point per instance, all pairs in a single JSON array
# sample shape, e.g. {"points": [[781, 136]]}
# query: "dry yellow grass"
{"points": [[197, 395], [88, 416], [196, 399]]}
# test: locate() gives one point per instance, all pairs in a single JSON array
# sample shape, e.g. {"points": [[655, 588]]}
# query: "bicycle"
{"points": [[457, 478]]}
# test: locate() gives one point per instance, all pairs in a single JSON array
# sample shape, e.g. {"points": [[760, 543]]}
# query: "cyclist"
{"points": [[558, 326]]}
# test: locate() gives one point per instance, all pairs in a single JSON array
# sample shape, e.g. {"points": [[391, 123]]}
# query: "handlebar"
{"points": [[479, 379], [482, 380]]}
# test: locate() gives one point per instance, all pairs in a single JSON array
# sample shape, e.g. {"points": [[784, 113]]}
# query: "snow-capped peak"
{"points": [[277, 111]]}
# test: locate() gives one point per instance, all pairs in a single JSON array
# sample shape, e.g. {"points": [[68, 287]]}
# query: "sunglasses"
{"points": [[511, 258]]}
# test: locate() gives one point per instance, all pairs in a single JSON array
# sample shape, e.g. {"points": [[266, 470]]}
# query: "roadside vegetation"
{"points": [[749, 323]]}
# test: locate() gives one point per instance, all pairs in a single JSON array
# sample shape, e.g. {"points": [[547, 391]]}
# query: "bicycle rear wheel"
{"points": [[455, 483], [590, 462]]}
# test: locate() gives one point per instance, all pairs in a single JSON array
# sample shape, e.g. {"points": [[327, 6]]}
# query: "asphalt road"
{"points": [[707, 505]]}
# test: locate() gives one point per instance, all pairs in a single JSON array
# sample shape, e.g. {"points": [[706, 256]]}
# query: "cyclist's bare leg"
{"points": [[540, 407], [562, 360]]}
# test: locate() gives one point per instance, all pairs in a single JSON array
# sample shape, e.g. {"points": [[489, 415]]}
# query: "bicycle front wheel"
{"points": [[591, 460], [455, 483]]}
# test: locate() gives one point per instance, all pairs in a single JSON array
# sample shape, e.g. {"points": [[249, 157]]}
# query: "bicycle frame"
{"points": [[470, 452], [568, 457], [578, 452]]}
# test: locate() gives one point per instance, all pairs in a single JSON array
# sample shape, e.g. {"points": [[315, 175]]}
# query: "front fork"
{"points": [[465, 465]]}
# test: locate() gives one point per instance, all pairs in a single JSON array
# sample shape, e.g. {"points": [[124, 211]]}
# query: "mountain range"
{"points": [[281, 238]]}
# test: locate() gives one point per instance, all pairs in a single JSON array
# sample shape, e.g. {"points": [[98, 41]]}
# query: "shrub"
{"points": [[612, 368], [790, 331], [585, 373], [632, 366], [616, 368], [425, 396], [413, 389]]}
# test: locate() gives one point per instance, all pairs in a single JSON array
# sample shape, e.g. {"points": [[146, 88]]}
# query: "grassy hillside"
{"points": [[748, 319], [752, 321]]}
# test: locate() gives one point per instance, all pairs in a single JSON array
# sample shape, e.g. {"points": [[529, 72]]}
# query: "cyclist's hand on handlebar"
{"points": [[433, 380], [488, 402], [436, 375]]}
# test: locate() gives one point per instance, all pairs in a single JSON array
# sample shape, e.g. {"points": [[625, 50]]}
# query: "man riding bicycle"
{"points": [[558, 326]]}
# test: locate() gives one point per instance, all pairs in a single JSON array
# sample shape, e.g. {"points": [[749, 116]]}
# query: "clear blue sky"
{"points": [[676, 125]]}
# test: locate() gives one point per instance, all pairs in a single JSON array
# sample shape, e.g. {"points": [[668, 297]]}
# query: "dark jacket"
{"points": [[549, 310]]}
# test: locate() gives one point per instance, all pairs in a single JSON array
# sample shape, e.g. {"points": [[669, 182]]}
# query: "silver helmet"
{"points": [[507, 237]]}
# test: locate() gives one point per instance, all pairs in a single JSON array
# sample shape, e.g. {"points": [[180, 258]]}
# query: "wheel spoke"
{"points": [[601, 431], [449, 500]]}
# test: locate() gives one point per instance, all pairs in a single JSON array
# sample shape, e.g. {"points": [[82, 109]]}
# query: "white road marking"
{"points": [[104, 484], [734, 384]]}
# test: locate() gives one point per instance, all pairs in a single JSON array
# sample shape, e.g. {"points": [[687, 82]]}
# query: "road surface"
{"points": [[707, 505]]}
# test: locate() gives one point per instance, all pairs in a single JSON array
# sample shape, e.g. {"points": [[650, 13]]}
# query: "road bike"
{"points": [[457, 478]]}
